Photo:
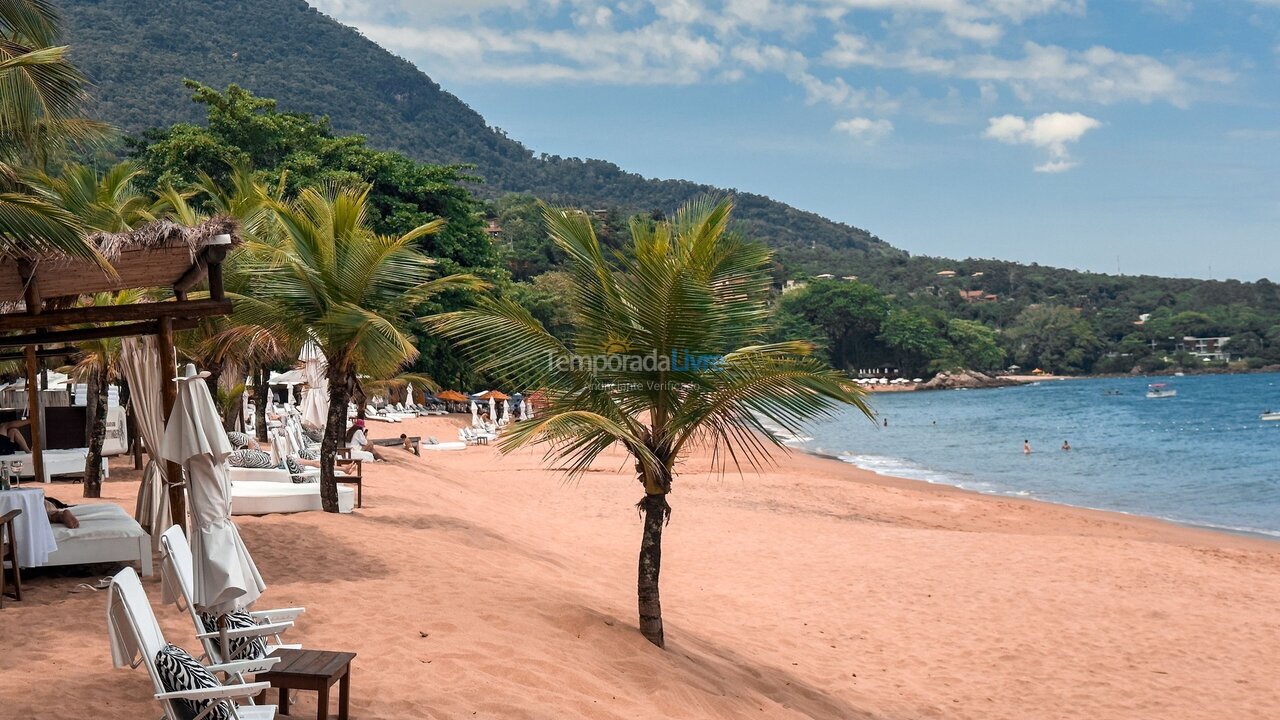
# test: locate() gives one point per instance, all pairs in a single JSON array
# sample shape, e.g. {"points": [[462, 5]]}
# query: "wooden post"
{"points": [[33, 413], [169, 394]]}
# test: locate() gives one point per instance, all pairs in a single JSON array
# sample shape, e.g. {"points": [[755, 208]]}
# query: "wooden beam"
{"points": [[169, 395], [51, 337], [41, 353], [116, 313]]}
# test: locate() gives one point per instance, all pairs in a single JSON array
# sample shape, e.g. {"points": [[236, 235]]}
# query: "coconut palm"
{"points": [[667, 354], [41, 96], [327, 277], [98, 365]]}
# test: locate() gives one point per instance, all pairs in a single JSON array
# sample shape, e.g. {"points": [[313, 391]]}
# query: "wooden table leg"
{"points": [[344, 694], [322, 703], [284, 701]]}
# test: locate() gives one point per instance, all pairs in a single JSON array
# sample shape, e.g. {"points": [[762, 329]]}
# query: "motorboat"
{"points": [[1269, 415], [1160, 390]]}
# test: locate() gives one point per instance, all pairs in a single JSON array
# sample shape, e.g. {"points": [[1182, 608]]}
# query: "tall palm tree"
{"points": [[327, 277], [667, 353], [41, 97]]}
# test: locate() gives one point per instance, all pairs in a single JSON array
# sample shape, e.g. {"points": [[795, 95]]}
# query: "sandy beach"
{"points": [[483, 586]]}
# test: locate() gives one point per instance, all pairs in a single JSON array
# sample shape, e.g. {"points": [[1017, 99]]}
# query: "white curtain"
{"points": [[140, 362]]}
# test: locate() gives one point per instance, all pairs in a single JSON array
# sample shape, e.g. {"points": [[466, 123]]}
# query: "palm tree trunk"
{"points": [[260, 390], [656, 512], [335, 428], [96, 406]]}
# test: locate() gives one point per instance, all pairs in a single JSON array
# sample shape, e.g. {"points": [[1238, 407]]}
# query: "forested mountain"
{"points": [[137, 52]]}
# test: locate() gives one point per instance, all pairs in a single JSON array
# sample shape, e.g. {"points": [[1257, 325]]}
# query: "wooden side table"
{"points": [[314, 670]]}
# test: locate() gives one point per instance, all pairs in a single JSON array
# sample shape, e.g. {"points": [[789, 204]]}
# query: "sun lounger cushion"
{"points": [[309, 454], [179, 671], [250, 459], [297, 471], [100, 521], [238, 440], [243, 648]]}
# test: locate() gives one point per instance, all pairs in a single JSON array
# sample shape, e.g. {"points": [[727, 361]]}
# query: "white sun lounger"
{"points": [[106, 534], [256, 497]]}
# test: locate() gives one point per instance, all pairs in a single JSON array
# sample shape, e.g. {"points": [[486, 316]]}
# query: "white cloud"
{"points": [[865, 129], [1050, 132]]}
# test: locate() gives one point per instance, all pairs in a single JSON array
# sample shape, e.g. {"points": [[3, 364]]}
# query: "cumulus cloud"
{"points": [[865, 129], [1050, 132]]}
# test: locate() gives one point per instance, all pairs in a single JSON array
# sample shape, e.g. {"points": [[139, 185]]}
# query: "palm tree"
{"points": [[667, 354], [98, 365], [327, 277], [41, 96]]}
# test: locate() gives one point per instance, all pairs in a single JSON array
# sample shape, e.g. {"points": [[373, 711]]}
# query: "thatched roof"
{"points": [[154, 255]]}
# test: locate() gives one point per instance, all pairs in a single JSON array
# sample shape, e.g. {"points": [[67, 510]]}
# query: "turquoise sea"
{"points": [[1202, 458]]}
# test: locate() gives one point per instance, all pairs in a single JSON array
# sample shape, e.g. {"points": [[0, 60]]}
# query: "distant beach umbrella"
{"points": [[493, 410], [315, 403], [408, 395], [226, 578], [475, 414]]}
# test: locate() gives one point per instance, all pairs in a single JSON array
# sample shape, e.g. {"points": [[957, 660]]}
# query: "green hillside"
{"points": [[138, 51]]}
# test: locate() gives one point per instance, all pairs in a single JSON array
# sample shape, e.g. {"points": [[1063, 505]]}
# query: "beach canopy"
{"points": [[452, 396], [225, 576], [140, 365], [492, 395]]}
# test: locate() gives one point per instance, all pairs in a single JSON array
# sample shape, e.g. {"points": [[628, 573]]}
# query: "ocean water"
{"points": [[1202, 458]]}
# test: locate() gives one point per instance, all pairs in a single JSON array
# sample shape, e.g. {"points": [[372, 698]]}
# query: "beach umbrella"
{"points": [[493, 410], [226, 579], [475, 414], [140, 364], [408, 395], [315, 403]]}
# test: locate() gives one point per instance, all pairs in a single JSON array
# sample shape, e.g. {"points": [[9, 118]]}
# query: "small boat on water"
{"points": [[1269, 415], [1160, 390]]}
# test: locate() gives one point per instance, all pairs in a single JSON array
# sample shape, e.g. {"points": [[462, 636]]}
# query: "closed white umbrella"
{"points": [[315, 403], [408, 402], [524, 409], [493, 410], [225, 577], [140, 363], [475, 414]]}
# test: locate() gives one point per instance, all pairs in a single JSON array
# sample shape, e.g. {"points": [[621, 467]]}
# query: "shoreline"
{"points": [[1120, 516]]}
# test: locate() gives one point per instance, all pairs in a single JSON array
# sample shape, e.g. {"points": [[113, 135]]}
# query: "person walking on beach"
{"points": [[1066, 446], [1026, 447]]}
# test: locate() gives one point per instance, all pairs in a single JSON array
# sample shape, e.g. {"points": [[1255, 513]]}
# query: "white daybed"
{"points": [[106, 534], [261, 491], [56, 462], [455, 445]]}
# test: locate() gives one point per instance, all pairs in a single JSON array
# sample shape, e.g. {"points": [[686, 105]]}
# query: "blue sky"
{"points": [[1133, 134]]}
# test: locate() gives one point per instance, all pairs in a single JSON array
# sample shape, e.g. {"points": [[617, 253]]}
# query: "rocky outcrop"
{"points": [[964, 379]]}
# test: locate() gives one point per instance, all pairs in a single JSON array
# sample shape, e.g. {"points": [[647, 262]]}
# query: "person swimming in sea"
{"points": [[1066, 445], [1026, 447]]}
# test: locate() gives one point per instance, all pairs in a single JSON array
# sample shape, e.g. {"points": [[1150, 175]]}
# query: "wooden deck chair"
{"points": [[179, 577], [136, 634]]}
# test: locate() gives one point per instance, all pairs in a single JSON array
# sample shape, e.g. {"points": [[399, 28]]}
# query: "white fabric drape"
{"points": [[315, 402], [225, 576], [140, 363], [493, 411]]}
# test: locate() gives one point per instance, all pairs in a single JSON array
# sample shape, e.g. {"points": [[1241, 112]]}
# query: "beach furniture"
{"points": [[9, 554], [264, 498], [177, 574], [136, 639], [107, 533], [314, 670]]}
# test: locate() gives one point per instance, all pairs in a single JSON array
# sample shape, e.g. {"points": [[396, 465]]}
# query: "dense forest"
{"points": [[138, 52], [346, 109]]}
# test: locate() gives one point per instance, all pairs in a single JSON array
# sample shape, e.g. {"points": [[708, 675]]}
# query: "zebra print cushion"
{"points": [[238, 440], [179, 671], [245, 648], [310, 454], [296, 470], [249, 459], [313, 434]]}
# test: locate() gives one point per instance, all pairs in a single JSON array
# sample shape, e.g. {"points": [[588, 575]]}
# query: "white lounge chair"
{"points": [[135, 633], [176, 568]]}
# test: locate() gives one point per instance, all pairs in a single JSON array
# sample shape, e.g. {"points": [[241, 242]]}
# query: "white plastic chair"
{"points": [[176, 568], [130, 619]]}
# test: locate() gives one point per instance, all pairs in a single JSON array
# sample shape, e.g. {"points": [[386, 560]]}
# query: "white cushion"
{"points": [[261, 498]]}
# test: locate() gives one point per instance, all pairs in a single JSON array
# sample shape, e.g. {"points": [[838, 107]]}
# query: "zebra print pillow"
{"points": [[313, 434], [310, 454], [242, 648], [249, 459], [238, 440], [179, 671], [297, 470]]}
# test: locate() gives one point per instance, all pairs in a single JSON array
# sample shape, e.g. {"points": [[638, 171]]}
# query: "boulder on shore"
{"points": [[964, 379]]}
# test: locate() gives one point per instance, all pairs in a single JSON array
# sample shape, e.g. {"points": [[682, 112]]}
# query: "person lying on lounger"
{"points": [[11, 439], [60, 512]]}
